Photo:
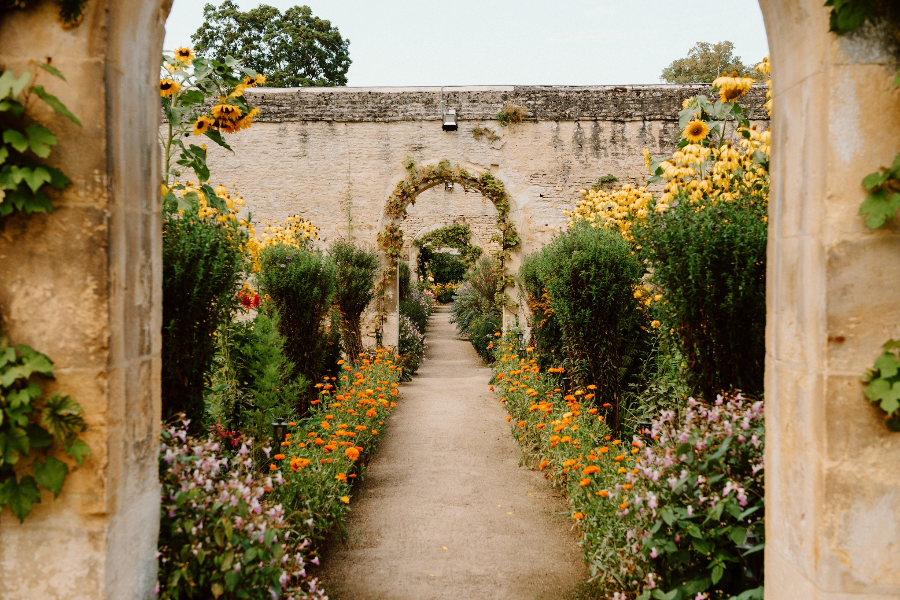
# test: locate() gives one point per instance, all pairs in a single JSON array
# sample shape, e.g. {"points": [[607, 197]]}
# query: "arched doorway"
{"points": [[84, 286], [418, 180]]}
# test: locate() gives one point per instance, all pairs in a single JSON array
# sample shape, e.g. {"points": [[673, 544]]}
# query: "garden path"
{"points": [[444, 510]]}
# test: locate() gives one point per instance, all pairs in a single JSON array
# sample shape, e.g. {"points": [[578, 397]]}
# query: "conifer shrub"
{"points": [[591, 276], [709, 262], [356, 269], [202, 266], [301, 283]]}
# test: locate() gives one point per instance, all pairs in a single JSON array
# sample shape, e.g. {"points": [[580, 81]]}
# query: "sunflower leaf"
{"points": [[218, 138]]}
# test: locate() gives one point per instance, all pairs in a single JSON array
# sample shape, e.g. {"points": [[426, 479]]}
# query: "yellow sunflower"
{"points": [[260, 79], [168, 87], [733, 87], [184, 55], [202, 125], [226, 112], [696, 131]]}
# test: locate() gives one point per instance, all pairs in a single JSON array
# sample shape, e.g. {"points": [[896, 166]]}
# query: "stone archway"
{"points": [[418, 180], [84, 286]]}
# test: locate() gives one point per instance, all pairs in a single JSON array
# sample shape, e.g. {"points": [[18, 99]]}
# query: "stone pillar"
{"points": [[83, 285], [833, 480], [391, 331]]}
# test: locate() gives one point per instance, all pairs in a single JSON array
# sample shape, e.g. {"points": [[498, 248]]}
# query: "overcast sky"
{"points": [[516, 42]]}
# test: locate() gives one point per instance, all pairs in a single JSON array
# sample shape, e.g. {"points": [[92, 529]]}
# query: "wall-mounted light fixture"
{"points": [[450, 123], [448, 186]]}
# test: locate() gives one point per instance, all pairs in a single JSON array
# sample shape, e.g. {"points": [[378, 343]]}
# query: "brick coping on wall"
{"points": [[482, 103]]}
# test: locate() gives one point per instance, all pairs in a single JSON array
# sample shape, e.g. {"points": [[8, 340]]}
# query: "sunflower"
{"points": [[226, 112], [696, 131], [202, 124], [184, 55], [733, 87], [168, 87]]}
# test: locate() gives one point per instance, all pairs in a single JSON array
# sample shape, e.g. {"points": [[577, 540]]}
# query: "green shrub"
{"points": [[403, 283], [442, 266], [202, 267], [356, 269], [481, 334], [301, 284], [412, 347], [256, 383], [545, 332], [710, 263], [591, 277], [415, 310], [476, 312]]}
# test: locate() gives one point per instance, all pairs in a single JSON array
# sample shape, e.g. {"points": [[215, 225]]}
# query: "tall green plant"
{"points": [[545, 332], [202, 266], [710, 263], [302, 285], [591, 276], [356, 269]]}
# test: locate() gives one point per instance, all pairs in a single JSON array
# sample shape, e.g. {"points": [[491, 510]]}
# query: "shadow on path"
{"points": [[445, 511]]}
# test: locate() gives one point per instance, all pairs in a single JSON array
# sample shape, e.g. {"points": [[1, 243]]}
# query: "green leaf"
{"points": [[227, 561], [40, 139], [38, 437], [717, 573], [51, 474], [890, 401], [54, 103], [216, 136], [738, 535], [888, 364], [213, 200], [755, 548], [191, 97], [62, 417], [36, 177], [20, 496], [52, 70], [15, 139], [661, 595], [754, 594], [10, 87], [683, 448], [876, 388], [878, 207], [874, 180], [217, 589], [231, 580], [667, 515], [79, 450]]}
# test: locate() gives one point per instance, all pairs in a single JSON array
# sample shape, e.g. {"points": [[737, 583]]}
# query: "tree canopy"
{"points": [[704, 63], [291, 49]]}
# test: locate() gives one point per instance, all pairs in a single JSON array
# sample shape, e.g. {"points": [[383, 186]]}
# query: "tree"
{"points": [[291, 49], [704, 63]]}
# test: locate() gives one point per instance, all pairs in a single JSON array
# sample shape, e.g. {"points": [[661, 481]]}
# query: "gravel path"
{"points": [[444, 510]]}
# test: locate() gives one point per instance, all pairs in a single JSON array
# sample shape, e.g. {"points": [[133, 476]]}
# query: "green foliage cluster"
{"points": [[25, 144], [710, 262], [443, 267], [546, 335], [457, 236], [302, 285], [591, 275], [253, 382], [356, 269], [476, 313], [203, 263], [883, 384], [293, 49], [704, 63], [33, 425]]}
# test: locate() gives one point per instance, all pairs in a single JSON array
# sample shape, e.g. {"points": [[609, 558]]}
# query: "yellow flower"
{"points": [[732, 88], [345, 499], [226, 112], [696, 131], [654, 324], [184, 55], [168, 87], [202, 124]]}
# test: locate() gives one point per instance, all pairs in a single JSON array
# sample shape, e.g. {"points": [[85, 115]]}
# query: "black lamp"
{"points": [[644, 426], [566, 385], [279, 431], [378, 338]]}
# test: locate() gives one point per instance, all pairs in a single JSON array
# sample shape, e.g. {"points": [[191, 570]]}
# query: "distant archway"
{"points": [[390, 239]]}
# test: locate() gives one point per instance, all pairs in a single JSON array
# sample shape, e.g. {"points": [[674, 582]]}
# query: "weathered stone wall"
{"points": [[83, 285], [311, 145]]}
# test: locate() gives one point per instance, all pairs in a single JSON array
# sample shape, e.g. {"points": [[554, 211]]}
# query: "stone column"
{"points": [[83, 285], [391, 331], [833, 480]]}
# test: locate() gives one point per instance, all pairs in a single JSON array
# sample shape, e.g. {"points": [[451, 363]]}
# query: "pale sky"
{"points": [[516, 42]]}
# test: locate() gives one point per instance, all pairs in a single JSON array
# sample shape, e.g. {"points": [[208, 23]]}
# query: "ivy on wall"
{"points": [[423, 178], [882, 383]]}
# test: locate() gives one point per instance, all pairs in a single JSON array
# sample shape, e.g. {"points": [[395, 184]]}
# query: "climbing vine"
{"points": [[455, 236], [25, 144], [422, 178], [882, 383], [71, 12]]}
